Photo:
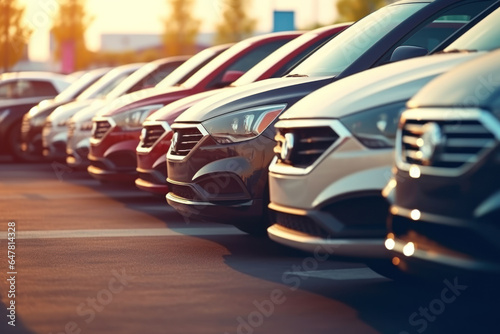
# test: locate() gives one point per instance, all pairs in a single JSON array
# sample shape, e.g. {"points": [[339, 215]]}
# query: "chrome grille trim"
{"points": [[156, 131], [281, 167], [103, 126], [469, 135], [190, 135]]}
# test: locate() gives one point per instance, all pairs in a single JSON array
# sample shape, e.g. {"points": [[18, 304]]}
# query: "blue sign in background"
{"points": [[284, 20]]}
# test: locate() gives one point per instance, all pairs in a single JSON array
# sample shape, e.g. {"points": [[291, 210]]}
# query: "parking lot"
{"points": [[93, 258]]}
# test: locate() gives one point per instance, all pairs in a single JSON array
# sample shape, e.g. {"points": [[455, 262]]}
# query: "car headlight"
{"points": [[376, 128], [4, 114], [38, 121], [86, 126], [63, 123], [133, 119], [242, 125]]}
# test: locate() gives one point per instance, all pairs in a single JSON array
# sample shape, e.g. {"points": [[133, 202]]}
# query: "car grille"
{"points": [[101, 128], [462, 142], [153, 133], [309, 144], [187, 138], [299, 223]]}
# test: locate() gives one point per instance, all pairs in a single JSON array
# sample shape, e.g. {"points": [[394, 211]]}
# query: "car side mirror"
{"points": [[229, 77], [407, 51]]}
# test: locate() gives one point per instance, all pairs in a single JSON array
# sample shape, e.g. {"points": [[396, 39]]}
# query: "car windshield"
{"points": [[217, 62], [104, 85], [180, 73], [482, 37], [255, 72], [342, 51], [77, 87], [131, 80]]}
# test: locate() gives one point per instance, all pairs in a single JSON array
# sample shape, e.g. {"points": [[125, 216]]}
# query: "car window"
{"points": [[42, 88], [26, 88], [188, 68], [289, 65], [155, 77], [111, 85], [249, 59], [440, 27], [482, 37], [263, 66], [342, 51], [7, 90]]}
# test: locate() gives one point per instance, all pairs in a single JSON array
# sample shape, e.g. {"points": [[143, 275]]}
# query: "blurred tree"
{"points": [[14, 34], [69, 28], [181, 29], [353, 10], [235, 25]]}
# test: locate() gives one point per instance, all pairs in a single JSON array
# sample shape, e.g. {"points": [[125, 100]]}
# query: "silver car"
{"points": [[334, 156]]}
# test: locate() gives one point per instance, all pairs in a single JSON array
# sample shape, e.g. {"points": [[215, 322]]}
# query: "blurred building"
{"points": [[127, 42]]}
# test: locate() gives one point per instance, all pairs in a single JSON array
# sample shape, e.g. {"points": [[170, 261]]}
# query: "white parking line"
{"points": [[146, 232], [340, 274]]}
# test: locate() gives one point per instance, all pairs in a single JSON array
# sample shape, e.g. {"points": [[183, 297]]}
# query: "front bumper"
{"points": [[445, 213], [152, 164], [113, 157], [224, 183], [313, 230], [78, 148], [31, 139], [439, 245], [153, 180], [54, 141], [333, 201]]}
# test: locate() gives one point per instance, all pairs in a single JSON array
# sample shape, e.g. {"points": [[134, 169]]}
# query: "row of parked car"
{"points": [[332, 140]]}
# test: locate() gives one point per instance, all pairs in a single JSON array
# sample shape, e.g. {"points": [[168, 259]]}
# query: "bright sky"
{"points": [[144, 16]]}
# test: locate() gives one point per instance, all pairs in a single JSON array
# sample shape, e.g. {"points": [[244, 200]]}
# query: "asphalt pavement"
{"points": [[105, 258]]}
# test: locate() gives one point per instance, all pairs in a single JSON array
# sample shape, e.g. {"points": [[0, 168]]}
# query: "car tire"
{"points": [[14, 142]]}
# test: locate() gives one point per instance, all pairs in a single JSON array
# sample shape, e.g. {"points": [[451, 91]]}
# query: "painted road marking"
{"points": [[112, 233], [340, 274]]}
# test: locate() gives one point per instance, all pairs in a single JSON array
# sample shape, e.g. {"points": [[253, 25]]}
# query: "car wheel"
{"points": [[14, 140]]}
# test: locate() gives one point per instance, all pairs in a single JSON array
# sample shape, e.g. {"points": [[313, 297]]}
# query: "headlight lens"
{"points": [[63, 123], [242, 125], [376, 128], [38, 121], [133, 119], [87, 126]]}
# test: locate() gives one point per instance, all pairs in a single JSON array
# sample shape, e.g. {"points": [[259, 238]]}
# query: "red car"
{"points": [[116, 131], [156, 134]]}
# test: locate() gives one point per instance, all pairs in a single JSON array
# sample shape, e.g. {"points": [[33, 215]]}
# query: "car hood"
{"points": [[270, 91], [143, 98], [375, 87], [473, 84], [45, 108], [87, 113], [171, 111], [68, 110]]}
